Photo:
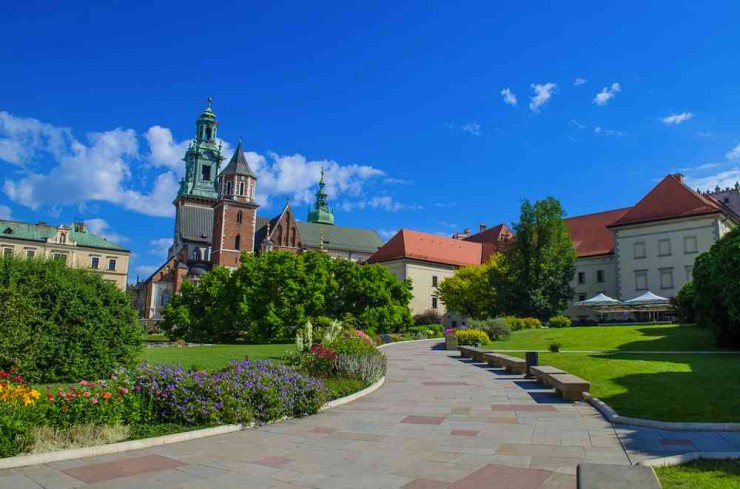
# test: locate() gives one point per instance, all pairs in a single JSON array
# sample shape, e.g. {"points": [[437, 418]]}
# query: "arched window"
{"points": [[196, 254], [280, 234], [241, 188], [62, 238], [292, 237], [237, 242], [229, 187], [239, 217], [208, 133]]}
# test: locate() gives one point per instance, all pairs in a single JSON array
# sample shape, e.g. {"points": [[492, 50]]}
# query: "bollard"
{"points": [[533, 359]]}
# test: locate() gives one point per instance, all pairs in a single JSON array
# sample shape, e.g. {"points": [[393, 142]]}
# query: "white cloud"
{"points": [[607, 93], [579, 81], [378, 202], [607, 132], [508, 96], [5, 212], [101, 228], [109, 167], [472, 128], [144, 271], [734, 154], [723, 179], [444, 204], [675, 119], [542, 95], [577, 124], [160, 246]]}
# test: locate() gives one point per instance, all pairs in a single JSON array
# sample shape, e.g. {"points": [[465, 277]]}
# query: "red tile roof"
{"points": [[429, 247], [590, 234], [491, 235], [669, 199]]}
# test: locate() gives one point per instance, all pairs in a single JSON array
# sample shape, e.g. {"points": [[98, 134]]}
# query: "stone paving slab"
{"points": [[436, 422]]}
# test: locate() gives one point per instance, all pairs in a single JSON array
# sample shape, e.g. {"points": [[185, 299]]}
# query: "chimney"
{"points": [[679, 177], [466, 231], [482, 228], [80, 227]]}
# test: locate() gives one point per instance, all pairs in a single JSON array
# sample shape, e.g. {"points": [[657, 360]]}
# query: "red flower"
{"points": [[106, 395]]}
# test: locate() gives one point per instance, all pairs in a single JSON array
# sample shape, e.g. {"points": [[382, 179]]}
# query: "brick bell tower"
{"points": [[235, 212]]}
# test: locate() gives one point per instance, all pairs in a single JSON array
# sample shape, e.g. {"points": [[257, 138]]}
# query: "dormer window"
{"points": [[62, 238], [8, 231]]}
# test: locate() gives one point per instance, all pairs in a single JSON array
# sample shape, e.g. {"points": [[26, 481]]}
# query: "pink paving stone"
{"points": [[463, 432], [412, 419], [273, 461], [676, 442], [521, 407], [496, 419], [122, 468], [426, 484], [503, 477]]}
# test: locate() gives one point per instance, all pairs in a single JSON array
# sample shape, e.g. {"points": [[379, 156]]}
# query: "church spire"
{"points": [[203, 157], [320, 212]]}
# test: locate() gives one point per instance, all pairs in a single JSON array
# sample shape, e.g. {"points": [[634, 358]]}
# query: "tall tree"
{"points": [[474, 291], [541, 262]]}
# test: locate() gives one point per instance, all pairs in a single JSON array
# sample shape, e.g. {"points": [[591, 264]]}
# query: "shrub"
{"points": [[471, 337], [340, 387], [683, 303], [368, 368], [430, 316], [319, 361], [531, 323], [496, 329], [59, 323], [554, 347], [559, 322], [244, 392], [717, 289], [514, 323], [352, 345], [428, 331]]}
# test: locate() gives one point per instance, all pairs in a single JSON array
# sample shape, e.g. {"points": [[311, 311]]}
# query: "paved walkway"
{"points": [[438, 422]]}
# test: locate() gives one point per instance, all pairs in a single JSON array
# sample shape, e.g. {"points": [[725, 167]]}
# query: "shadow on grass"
{"points": [[685, 337]]}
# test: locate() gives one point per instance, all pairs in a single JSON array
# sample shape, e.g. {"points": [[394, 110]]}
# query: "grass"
{"points": [[662, 386], [704, 474], [672, 337], [215, 357]]}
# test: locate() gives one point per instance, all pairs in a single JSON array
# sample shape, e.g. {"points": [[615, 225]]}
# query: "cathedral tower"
{"points": [[235, 212], [320, 212]]}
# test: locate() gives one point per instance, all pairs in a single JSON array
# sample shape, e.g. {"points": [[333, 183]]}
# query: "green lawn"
{"points": [[672, 337], [664, 386], [214, 357], [702, 474]]}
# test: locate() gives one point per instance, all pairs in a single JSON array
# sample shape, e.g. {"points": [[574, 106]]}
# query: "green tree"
{"points": [[474, 291], [717, 289], [541, 262], [59, 324]]}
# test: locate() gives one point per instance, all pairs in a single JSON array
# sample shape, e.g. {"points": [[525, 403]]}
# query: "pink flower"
{"points": [[83, 382], [137, 388], [86, 394], [94, 400], [123, 390]]}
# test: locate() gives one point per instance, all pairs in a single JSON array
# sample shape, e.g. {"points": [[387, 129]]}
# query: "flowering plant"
{"points": [[244, 392], [319, 360], [17, 413], [14, 389], [364, 337]]}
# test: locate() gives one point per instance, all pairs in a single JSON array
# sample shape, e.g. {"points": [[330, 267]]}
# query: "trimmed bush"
{"points": [[518, 324], [471, 337], [683, 302], [430, 316], [531, 323], [496, 329], [554, 347], [59, 324], [558, 322]]}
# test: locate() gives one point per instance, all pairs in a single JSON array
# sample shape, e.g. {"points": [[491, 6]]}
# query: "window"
{"points": [[600, 276], [229, 187], [581, 297], [690, 245], [30, 254], [241, 188], [640, 251], [59, 256], [641, 280], [239, 217], [666, 278], [238, 242], [111, 264], [164, 299], [206, 172], [581, 277], [208, 133], [434, 280], [664, 247], [689, 270], [434, 302], [94, 262], [7, 252]]}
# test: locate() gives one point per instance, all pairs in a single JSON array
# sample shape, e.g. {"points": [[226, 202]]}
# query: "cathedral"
{"points": [[216, 220]]}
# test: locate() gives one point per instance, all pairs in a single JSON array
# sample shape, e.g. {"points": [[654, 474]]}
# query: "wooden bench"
{"points": [[511, 364], [543, 372], [569, 386]]}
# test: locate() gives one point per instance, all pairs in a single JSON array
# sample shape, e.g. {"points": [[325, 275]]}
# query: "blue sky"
{"points": [[402, 101]]}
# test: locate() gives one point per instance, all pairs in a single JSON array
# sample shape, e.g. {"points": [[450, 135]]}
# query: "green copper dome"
{"points": [[320, 212]]}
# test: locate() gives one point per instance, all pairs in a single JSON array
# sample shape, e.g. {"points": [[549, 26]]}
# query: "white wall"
{"points": [[589, 267]]}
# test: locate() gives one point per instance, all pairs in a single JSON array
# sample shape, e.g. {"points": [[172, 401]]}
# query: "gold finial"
{"points": [[210, 100]]}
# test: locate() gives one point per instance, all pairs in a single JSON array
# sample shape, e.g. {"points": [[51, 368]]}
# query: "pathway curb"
{"points": [[613, 417], [685, 458], [126, 446]]}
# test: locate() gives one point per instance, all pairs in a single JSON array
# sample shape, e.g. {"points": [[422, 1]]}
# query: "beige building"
{"points": [[74, 244], [651, 246], [427, 259]]}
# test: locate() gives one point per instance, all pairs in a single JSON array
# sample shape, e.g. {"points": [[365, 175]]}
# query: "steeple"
{"points": [[320, 212], [202, 158]]}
